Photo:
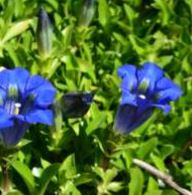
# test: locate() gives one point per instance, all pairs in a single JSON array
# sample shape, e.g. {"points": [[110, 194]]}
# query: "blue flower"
{"points": [[24, 100], [143, 90]]}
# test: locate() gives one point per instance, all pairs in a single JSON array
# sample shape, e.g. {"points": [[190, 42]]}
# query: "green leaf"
{"points": [[16, 29], [137, 181], [98, 119], [46, 177], [115, 186], [67, 36], [70, 189], [138, 44], [165, 11], [152, 187], [120, 39], [170, 192], [14, 192], [25, 173], [159, 163], [84, 178], [130, 13], [104, 12], [67, 169], [147, 147], [166, 151]]}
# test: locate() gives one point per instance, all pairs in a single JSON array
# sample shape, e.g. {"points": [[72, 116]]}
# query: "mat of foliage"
{"points": [[85, 155]]}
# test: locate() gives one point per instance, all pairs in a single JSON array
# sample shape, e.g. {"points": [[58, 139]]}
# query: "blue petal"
{"points": [[149, 75], [45, 95], [128, 98], [168, 90], [16, 77], [20, 77], [40, 116], [128, 75], [11, 136], [4, 78], [42, 90], [34, 82], [130, 117], [165, 107], [5, 119], [2, 96]]}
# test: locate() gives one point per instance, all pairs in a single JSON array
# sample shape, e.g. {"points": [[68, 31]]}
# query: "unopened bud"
{"points": [[44, 34], [87, 12]]}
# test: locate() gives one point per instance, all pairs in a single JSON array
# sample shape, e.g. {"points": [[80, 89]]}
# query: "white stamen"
{"points": [[2, 68], [17, 105], [17, 108], [142, 96]]}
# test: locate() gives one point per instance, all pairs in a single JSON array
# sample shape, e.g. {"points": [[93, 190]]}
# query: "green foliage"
{"points": [[84, 155]]}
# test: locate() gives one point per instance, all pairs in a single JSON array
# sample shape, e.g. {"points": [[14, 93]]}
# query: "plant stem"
{"points": [[161, 175], [4, 167]]}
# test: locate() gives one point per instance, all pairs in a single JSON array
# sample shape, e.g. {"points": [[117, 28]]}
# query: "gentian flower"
{"points": [[24, 100], [143, 90]]}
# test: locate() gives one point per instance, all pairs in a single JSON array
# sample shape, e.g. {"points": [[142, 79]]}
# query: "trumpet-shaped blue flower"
{"points": [[143, 90], [24, 100]]}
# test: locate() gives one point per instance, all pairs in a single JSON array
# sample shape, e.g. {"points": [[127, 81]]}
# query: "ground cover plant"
{"points": [[94, 92]]}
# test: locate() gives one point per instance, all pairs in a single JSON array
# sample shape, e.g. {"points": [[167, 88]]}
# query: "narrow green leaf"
{"points": [[25, 173], [96, 123], [67, 36], [169, 192], [16, 29], [137, 180], [68, 168], [130, 13], [159, 163], [103, 12], [70, 189], [147, 147], [46, 176], [152, 187]]}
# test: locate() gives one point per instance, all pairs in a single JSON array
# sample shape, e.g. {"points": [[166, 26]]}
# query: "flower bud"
{"points": [[87, 12], [44, 34]]}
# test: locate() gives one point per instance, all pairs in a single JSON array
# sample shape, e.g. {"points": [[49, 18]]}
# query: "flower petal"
{"points": [[45, 96], [12, 135], [2, 96], [34, 82], [168, 90], [42, 90], [130, 117], [128, 75], [148, 76], [4, 78], [128, 98], [165, 107], [19, 76], [40, 116], [5, 119]]}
